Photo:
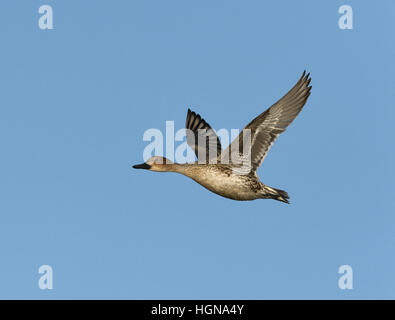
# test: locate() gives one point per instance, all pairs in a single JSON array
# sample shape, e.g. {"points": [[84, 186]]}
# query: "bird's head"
{"points": [[155, 163]]}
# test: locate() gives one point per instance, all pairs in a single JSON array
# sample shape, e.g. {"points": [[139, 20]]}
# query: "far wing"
{"points": [[202, 138]]}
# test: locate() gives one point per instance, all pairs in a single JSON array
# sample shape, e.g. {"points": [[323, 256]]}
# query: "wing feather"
{"points": [[265, 128], [202, 138]]}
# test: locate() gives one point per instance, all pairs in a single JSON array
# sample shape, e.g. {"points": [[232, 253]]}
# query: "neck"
{"points": [[177, 167], [187, 169], [170, 167]]}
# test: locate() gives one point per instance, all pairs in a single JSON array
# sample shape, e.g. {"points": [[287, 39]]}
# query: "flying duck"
{"points": [[231, 173]]}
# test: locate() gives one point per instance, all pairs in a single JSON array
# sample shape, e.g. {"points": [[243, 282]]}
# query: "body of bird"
{"points": [[220, 179], [225, 176]]}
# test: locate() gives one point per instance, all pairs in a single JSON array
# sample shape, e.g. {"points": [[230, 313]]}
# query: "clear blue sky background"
{"points": [[75, 102]]}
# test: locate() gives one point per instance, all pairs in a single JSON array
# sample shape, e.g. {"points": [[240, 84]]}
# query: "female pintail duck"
{"points": [[226, 176]]}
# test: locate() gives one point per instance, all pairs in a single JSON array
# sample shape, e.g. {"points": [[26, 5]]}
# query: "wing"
{"points": [[265, 128], [202, 138]]}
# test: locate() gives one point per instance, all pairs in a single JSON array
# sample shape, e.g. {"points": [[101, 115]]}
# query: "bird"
{"points": [[222, 171]]}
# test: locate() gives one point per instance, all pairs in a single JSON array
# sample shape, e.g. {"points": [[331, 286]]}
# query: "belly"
{"points": [[236, 187]]}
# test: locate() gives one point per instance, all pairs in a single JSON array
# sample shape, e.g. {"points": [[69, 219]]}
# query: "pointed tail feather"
{"points": [[276, 194]]}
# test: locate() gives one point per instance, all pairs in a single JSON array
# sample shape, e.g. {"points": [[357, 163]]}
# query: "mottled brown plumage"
{"points": [[233, 173]]}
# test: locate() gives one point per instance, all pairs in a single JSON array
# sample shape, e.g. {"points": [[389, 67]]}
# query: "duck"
{"points": [[231, 173]]}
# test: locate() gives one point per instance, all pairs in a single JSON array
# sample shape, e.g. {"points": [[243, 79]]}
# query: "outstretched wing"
{"points": [[202, 138], [265, 128]]}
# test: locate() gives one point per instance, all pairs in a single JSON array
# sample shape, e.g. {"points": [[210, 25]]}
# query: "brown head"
{"points": [[156, 163]]}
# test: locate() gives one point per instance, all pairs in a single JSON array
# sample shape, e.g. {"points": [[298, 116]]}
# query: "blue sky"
{"points": [[76, 100]]}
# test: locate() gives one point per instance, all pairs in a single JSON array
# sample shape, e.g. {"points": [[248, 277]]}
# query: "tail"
{"points": [[276, 194]]}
